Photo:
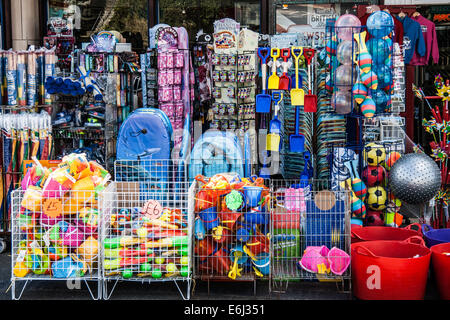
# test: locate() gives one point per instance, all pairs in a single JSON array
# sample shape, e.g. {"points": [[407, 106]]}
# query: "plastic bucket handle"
{"points": [[426, 227], [370, 253], [355, 235], [418, 225], [410, 240]]}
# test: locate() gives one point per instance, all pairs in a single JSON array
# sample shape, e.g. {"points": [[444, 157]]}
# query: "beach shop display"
{"points": [[310, 232], [231, 228], [147, 234], [56, 223]]}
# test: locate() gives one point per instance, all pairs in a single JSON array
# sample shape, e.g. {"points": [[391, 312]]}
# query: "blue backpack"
{"points": [[216, 152], [144, 147]]}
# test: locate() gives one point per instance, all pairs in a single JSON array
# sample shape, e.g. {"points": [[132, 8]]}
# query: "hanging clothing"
{"points": [[412, 38], [431, 43], [398, 29]]}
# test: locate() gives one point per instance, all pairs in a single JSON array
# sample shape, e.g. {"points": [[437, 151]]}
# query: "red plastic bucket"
{"points": [[386, 270], [383, 233], [441, 268]]}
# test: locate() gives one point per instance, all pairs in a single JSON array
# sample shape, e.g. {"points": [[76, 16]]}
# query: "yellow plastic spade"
{"points": [[235, 270], [274, 80], [297, 93]]}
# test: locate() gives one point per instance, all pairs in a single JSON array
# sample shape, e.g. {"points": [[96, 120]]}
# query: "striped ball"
{"points": [[368, 107], [370, 80], [359, 188], [365, 61], [358, 208], [359, 92], [331, 46]]}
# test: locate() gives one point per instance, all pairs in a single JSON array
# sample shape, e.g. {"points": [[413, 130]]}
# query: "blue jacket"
{"points": [[412, 38]]}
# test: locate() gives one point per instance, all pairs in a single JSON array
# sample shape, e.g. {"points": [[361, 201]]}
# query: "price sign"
{"points": [[52, 207], [152, 209]]}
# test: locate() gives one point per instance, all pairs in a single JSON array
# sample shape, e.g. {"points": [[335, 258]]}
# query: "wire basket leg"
{"points": [[99, 289], [13, 290], [188, 290], [107, 296]]}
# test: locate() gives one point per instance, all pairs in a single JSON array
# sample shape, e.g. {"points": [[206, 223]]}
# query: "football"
{"points": [[373, 175], [376, 198], [374, 154], [374, 218]]}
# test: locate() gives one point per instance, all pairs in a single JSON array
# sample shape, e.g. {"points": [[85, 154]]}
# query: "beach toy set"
{"points": [[361, 68], [231, 227], [150, 241], [56, 221]]}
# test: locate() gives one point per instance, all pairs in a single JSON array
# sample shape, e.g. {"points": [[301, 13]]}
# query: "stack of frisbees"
{"points": [[329, 126]]}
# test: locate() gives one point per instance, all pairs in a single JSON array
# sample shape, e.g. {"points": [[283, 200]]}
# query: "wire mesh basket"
{"points": [[147, 221], [232, 222], [310, 232], [55, 237]]}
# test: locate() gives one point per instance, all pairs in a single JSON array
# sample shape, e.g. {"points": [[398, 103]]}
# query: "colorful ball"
{"points": [[358, 208], [374, 175], [345, 76], [127, 273], [346, 25], [380, 98], [359, 92], [344, 52], [365, 61], [376, 198], [374, 218], [184, 271], [368, 107], [146, 267], [391, 158], [380, 24], [379, 49], [157, 273], [341, 101], [384, 75], [359, 188], [374, 154], [370, 79]]}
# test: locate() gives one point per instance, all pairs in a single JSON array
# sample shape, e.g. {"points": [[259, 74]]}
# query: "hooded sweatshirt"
{"points": [[412, 38], [429, 35]]}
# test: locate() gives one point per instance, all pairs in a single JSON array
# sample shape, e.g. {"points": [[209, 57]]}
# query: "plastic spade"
{"points": [[284, 79], [297, 94], [274, 80], [273, 138], [263, 99], [304, 177], [310, 99], [297, 141]]}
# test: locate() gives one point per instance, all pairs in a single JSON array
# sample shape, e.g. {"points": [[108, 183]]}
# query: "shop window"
{"points": [[310, 19], [200, 14], [82, 18]]}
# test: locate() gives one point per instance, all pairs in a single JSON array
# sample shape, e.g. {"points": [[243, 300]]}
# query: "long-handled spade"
{"points": [[297, 93], [273, 138], [284, 79], [263, 99], [310, 99], [274, 80]]}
